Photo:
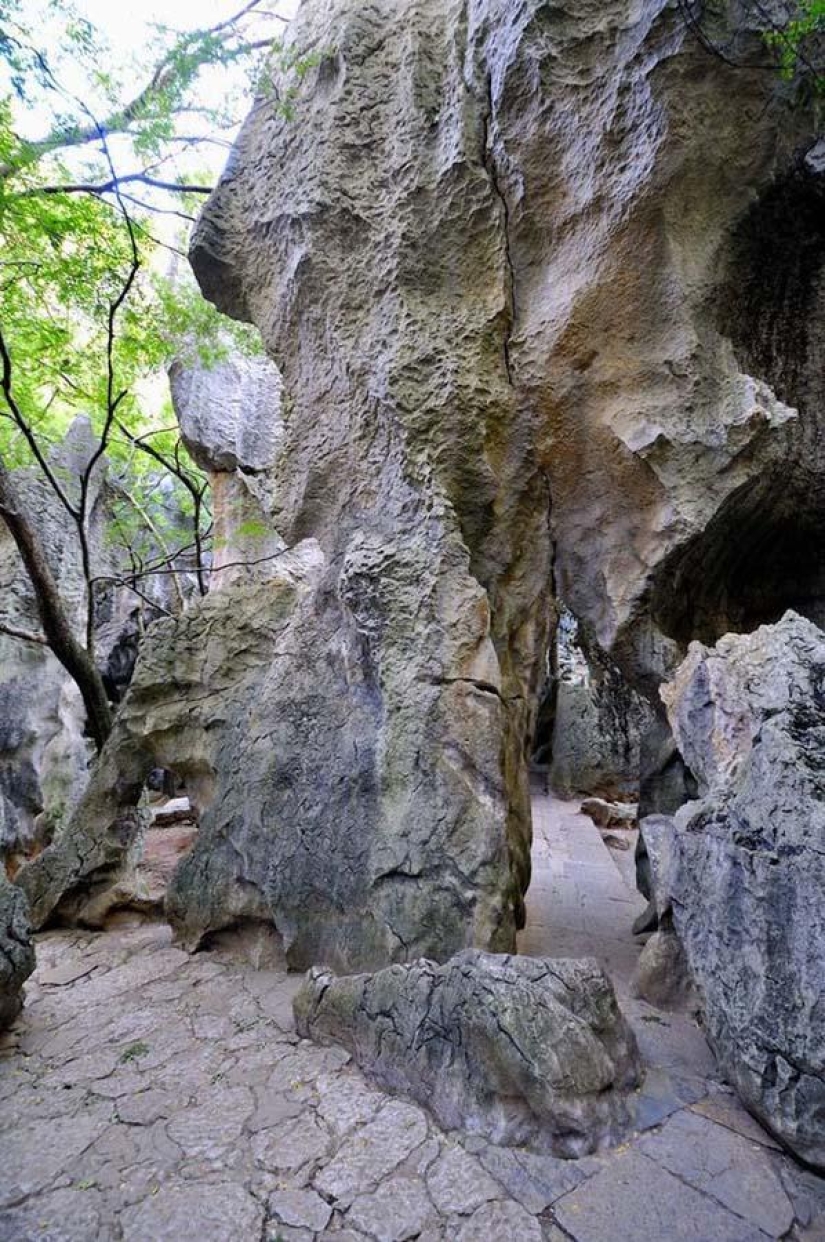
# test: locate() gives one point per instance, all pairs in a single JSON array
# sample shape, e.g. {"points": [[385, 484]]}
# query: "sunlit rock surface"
{"points": [[741, 870], [506, 259]]}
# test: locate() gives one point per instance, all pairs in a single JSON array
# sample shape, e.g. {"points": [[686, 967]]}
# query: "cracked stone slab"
{"points": [[40, 1151], [536, 1181], [346, 1101], [210, 1213], [292, 1145], [724, 1165], [457, 1182], [727, 1111], [503, 1221], [61, 1216], [380, 1150], [208, 1128], [303, 1209], [633, 1197], [399, 1209], [367, 1156]]}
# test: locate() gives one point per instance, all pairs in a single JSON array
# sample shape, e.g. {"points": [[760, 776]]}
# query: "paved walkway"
{"points": [[146, 1096]]}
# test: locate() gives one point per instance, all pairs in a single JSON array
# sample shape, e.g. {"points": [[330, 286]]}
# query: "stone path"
{"points": [[147, 1096]]}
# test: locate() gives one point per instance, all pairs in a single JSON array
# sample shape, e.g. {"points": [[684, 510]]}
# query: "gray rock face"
{"points": [[304, 821], [452, 347], [653, 421], [485, 279], [521, 1050], [16, 950], [230, 421], [229, 414], [661, 976], [591, 721], [741, 870]]}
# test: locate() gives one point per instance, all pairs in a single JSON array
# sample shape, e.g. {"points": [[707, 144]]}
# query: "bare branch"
{"points": [[22, 423], [112, 186], [26, 636], [141, 105]]}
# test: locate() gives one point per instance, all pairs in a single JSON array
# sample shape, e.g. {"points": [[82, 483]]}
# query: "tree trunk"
{"points": [[56, 624]]}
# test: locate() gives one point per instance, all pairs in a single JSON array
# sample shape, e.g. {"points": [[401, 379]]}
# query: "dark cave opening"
{"points": [[764, 552]]}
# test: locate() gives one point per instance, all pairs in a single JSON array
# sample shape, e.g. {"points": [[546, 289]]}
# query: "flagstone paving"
{"points": [[147, 1095]]}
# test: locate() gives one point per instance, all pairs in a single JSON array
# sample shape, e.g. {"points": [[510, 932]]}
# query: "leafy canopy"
{"points": [[93, 206]]}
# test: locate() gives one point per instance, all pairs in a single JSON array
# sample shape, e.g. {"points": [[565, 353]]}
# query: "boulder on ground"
{"points": [[525, 1051], [16, 950], [741, 870], [610, 814], [661, 976]]}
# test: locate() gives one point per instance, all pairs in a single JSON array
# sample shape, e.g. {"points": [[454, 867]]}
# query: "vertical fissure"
{"points": [[489, 161]]}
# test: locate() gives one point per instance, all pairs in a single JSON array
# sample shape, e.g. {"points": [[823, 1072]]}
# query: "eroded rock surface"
{"points": [[230, 421], [303, 822], [486, 254], [590, 720], [524, 1051], [525, 230], [16, 950], [741, 870]]}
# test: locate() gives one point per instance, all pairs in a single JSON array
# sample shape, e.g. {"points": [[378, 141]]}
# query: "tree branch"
{"points": [[26, 636], [149, 97], [56, 625], [26, 431], [113, 185]]}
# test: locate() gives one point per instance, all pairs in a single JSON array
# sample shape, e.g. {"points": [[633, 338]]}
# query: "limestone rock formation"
{"points": [[635, 318], [44, 751], [661, 976], [741, 870], [16, 950], [502, 255], [229, 416], [590, 719], [525, 1051], [265, 716]]}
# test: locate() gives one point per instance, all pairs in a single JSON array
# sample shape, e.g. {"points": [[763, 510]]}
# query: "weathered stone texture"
{"points": [[741, 870], [245, 697], [590, 720], [524, 1051], [446, 270], [230, 421], [482, 254], [16, 950]]}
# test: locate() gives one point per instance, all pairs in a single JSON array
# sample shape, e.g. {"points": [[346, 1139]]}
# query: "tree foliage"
{"points": [[94, 301], [793, 37]]}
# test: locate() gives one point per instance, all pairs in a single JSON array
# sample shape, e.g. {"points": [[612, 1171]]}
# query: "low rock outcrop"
{"points": [[342, 842], [525, 1051], [741, 870], [16, 950]]}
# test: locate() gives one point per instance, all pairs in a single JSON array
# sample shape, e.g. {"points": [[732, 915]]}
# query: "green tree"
{"points": [[793, 35], [88, 308]]}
